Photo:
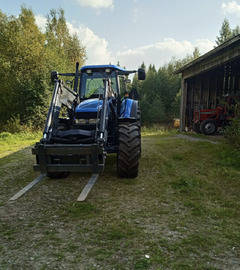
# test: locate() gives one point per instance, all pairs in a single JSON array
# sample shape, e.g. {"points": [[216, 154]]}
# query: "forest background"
{"points": [[27, 57]]}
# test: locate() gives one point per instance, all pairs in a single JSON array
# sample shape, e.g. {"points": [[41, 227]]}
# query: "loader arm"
{"points": [[103, 118], [62, 96]]}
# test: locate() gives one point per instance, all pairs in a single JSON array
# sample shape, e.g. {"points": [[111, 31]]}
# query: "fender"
{"points": [[129, 108]]}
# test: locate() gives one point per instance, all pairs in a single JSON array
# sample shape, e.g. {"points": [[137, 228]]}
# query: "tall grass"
{"points": [[10, 143], [158, 130]]}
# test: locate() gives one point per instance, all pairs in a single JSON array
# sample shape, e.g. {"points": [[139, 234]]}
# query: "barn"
{"points": [[206, 80]]}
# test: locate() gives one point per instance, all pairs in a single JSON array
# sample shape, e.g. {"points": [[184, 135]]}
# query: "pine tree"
{"points": [[236, 31], [196, 53], [225, 33]]}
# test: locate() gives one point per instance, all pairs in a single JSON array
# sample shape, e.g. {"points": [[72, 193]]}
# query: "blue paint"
{"points": [[90, 105], [126, 108]]}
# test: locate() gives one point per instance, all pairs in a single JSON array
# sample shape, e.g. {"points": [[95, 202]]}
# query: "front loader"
{"points": [[90, 116]]}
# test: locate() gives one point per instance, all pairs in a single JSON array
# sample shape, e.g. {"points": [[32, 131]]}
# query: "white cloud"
{"points": [[204, 45], [96, 47], [231, 8], [96, 3], [161, 52], [41, 22], [98, 52]]}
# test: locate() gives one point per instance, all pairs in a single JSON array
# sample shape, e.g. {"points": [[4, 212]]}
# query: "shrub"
{"points": [[232, 131]]}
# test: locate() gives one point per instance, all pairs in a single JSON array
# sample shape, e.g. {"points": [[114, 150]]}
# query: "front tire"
{"points": [[196, 128], [208, 127], [129, 149]]}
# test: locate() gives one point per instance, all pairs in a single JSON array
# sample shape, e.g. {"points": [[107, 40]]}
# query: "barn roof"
{"points": [[224, 53]]}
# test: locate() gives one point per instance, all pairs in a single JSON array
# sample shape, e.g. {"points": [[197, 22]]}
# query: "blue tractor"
{"points": [[90, 115]]}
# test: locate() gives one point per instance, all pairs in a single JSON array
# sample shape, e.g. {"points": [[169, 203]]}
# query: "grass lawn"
{"points": [[182, 212], [10, 143]]}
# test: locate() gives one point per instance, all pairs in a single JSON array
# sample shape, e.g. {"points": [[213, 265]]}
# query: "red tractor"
{"points": [[208, 121]]}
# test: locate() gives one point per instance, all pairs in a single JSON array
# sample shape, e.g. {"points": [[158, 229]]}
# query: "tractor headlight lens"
{"points": [[92, 121], [86, 121]]}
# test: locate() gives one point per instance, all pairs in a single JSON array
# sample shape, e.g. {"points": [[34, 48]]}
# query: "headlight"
{"points": [[86, 121]]}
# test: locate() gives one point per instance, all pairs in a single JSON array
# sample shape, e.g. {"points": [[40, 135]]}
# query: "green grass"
{"points": [[182, 212], [10, 143]]}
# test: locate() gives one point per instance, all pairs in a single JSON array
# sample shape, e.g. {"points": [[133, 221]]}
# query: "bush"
{"points": [[14, 125], [5, 135], [232, 131]]}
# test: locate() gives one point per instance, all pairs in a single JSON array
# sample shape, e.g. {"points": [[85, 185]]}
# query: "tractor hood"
{"points": [[89, 105]]}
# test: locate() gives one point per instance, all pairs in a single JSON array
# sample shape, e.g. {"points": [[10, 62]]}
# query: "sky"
{"points": [[135, 31]]}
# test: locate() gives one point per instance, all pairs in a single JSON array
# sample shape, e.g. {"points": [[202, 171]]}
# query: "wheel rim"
{"points": [[209, 127]]}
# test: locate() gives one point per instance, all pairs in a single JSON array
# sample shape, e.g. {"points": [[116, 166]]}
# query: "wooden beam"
{"points": [[183, 105]]}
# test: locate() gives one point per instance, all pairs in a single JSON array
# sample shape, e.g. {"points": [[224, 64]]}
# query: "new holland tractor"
{"points": [[90, 115]]}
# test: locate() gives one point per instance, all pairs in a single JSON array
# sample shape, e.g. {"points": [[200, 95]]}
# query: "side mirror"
{"points": [[141, 74], [54, 76]]}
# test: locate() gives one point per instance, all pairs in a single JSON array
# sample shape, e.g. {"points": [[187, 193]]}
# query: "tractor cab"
{"points": [[92, 83]]}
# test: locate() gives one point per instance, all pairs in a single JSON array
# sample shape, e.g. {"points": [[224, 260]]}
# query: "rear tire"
{"points": [[129, 149], [196, 128], [208, 127]]}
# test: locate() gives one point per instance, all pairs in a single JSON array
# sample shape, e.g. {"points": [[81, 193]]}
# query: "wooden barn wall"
{"points": [[206, 90]]}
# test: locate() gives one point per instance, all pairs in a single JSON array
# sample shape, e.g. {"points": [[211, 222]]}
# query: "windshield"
{"points": [[92, 85]]}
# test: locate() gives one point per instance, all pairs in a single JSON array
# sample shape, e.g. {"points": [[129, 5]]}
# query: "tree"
{"points": [[226, 32], [159, 94], [23, 59], [236, 31], [27, 56], [196, 53], [63, 47]]}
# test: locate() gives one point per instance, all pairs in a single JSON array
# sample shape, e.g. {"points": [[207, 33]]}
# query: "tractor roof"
{"points": [[120, 71]]}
